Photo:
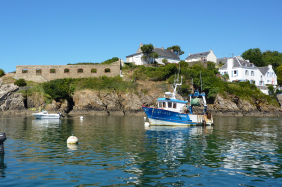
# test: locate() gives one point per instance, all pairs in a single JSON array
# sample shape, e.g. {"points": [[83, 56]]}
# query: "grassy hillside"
{"points": [[212, 83]]}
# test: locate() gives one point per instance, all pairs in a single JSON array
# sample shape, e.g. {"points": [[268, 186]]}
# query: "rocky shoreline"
{"points": [[89, 102]]}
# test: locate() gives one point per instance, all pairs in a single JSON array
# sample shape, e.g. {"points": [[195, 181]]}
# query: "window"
{"points": [[235, 73], [174, 105], [160, 105], [107, 70], [169, 104], [93, 70], [267, 74], [252, 73], [66, 70], [79, 70], [246, 72], [52, 71], [38, 71], [164, 105], [24, 71]]}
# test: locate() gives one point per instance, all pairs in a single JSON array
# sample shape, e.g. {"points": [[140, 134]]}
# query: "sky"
{"points": [[58, 32]]}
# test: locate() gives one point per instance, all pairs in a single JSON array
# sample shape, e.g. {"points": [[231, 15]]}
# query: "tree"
{"points": [[279, 75], [273, 58], [2, 72], [176, 49], [164, 60], [255, 56], [147, 49]]}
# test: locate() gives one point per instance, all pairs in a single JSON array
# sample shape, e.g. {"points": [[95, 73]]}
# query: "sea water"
{"points": [[120, 151]]}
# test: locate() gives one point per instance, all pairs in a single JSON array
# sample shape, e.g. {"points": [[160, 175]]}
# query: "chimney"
{"points": [[171, 50], [162, 47]]}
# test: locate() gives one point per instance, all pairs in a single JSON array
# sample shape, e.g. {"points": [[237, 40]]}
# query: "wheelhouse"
{"points": [[171, 104]]}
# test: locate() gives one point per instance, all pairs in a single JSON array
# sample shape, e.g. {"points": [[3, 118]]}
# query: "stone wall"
{"points": [[51, 72]]}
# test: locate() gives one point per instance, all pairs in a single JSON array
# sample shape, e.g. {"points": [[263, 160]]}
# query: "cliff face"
{"points": [[101, 102], [130, 103], [234, 106]]}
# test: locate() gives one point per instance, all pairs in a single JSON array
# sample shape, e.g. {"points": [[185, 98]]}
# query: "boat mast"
{"points": [[201, 80]]}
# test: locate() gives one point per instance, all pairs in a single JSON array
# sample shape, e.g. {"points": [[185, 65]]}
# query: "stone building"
{"points": [[43, 73]]}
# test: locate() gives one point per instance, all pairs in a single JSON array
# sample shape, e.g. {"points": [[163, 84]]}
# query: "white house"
{"points": [[240, 69], [204, 56], [137, 59]]}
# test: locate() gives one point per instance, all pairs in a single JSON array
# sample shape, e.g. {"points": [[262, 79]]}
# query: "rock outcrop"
{"points": [[234, 106], [95, 102]]}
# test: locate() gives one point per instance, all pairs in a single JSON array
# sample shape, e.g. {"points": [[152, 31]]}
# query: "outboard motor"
{"points": [[2, 139], [61, 114]]}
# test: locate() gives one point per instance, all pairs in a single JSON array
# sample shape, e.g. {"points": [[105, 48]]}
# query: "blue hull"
{"points": [[159, 116]]}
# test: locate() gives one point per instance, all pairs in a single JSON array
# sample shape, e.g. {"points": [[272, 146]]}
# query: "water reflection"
{"points": [[42, 123], [2, 167]]}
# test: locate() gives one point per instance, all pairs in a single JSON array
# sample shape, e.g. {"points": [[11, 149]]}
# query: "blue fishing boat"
{"points": [[172, 111]]}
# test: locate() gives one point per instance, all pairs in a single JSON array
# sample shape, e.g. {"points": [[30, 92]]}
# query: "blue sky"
{"points": [[58, 32]]}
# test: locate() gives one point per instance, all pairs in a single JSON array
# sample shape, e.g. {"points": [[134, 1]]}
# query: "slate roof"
{"points": [[238, 61], [224, 67], [223, 60], [162, 52], [166, 53], [198, 55], [263, 70], [133, 55]]}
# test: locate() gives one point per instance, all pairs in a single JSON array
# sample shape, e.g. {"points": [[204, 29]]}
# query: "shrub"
{"points": [[20, 82], [2, 72]]}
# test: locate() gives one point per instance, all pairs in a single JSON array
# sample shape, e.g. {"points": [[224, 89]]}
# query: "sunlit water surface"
{"points": [[120, 151]]}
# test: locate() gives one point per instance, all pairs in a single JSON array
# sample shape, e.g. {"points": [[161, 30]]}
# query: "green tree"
{"points": [[147, 49], [255, 56], [176, 49], [20, 82], [271, 89], [273, 58], [154, 55], [211, 66], [279, 75], [183, 64], [2, 72]]}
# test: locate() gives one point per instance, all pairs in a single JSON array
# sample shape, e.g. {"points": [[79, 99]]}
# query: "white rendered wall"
{"points": [[211, 57]]}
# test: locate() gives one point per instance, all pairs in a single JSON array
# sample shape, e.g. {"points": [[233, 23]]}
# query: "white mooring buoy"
{"points": [[72, 140], [146, 124], [81, 117]]}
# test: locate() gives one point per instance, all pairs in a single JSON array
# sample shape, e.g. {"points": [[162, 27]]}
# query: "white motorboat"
{"points": [[46, 115]]}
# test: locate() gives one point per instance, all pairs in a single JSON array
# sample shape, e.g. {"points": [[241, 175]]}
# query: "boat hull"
{"points": [[46, 116], [159, 116]]}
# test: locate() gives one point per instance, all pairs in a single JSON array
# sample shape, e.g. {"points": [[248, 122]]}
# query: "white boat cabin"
{"points": [[174, 105]]}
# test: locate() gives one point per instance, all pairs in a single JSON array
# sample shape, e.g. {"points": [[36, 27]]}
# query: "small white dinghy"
{"points": [[44, 115]]}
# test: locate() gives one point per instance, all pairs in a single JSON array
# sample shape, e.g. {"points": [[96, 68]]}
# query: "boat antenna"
{"points": [[201, 80]]}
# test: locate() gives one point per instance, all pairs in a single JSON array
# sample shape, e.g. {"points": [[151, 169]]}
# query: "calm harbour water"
{"points": [[120, 151]]}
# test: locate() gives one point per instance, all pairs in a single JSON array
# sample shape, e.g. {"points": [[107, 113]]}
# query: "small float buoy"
{"points": [[147, 124], [81, 117], [72, 140], [72, 146]]}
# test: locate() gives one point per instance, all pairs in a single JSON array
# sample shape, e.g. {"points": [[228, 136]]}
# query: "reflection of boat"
{"points": [[195, 130], [45, 115], [172, 111], [46, 122]]}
